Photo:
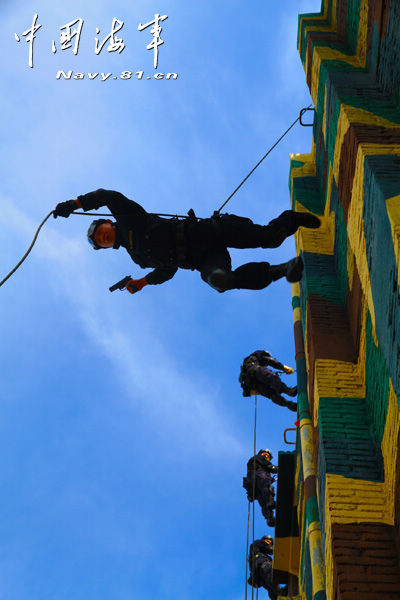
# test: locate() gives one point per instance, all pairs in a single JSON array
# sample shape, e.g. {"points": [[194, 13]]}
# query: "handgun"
{"points": [[120, 285]]}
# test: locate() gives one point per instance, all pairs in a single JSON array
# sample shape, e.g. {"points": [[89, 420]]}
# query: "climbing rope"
{"points": [[96, 214], [254, 489], [29, 249], [247, 548], [248, 507], [240, 184], [260, 161], [216, 213]]}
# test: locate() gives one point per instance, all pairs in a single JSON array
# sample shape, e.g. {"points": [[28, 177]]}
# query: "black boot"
{"points": [[307, 220], [294, 269], [278, 271], [292, 392]]}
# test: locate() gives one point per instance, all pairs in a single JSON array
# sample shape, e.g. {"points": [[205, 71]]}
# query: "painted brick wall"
{"points": [[348, 302]]}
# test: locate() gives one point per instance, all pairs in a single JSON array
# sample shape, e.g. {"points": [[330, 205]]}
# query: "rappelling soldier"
{"points": [[260, 563], [258, 483], [165, 245], [255, 376]]}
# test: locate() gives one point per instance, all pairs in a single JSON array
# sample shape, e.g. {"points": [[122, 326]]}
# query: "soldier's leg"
{"points": [[265, 577], [266, 513], [240, 232], [281, 401], [216, 269], [287, 224], [290, 391], [267, 502], [251, 276]]}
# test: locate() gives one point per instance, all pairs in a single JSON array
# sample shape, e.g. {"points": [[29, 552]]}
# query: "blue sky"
{"points": [[123, 433]]}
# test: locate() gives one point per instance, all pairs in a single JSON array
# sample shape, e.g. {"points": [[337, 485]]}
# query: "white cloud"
{"points": [[185, 403]]}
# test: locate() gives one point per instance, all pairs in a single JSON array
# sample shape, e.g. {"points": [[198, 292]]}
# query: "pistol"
{"points": [[120, 284]]}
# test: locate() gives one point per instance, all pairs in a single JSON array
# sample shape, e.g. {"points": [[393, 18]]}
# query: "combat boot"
{"points": [[303, 219], [292, 270]]}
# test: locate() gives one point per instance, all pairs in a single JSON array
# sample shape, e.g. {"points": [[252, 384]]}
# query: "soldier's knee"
{"points": [[220, 280]]}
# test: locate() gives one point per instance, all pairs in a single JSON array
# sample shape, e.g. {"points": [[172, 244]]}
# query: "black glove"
{"points": [[64, 209]]}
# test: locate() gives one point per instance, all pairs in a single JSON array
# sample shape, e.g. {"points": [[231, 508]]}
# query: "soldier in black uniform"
{"points": [[257, 377], [260, 488], [168, 244], [260, 562]]}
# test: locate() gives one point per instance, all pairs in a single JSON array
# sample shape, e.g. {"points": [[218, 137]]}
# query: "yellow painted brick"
{"points": [[355, 227], [340, 379], [389, 449], [317, 241], [393, 210], [371, 496], [323, 53]]}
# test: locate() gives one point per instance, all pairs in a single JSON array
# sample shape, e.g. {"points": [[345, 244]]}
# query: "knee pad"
{"points": [[220, 280]]}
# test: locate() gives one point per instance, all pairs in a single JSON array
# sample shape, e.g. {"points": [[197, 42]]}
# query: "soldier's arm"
{"points": [[275, 364], [155, 277], [265, 359], [160, 275], [115, 201], [271, 468]]}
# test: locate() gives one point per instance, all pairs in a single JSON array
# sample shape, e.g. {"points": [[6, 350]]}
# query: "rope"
{"points": [[240, 184], [259, 162], [29, 249], [248, 507], [254, 488], [161, 214], [96, 214], [247, 547]]}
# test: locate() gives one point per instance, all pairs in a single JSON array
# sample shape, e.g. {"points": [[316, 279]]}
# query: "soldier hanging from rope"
{"points": [[255, 376], [260, 563], [168, 244], [258, 483]]}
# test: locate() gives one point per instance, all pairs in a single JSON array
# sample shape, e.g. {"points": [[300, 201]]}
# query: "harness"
{"points": [[181, 249]]}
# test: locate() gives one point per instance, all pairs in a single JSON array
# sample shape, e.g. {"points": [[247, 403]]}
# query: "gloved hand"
{"points": [[135, 285], [64, 209], [288, 370]]}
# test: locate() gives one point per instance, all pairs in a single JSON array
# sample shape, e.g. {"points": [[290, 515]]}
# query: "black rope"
{"points": [[260, 161], [96, 214], [29, 249], [254, 492], [240, 184], [216, 213], [247, 548], [248, 508]]}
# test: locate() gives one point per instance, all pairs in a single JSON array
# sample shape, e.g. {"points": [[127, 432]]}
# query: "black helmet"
{"points": [[92, 230], [268, 540], [266, 450]]}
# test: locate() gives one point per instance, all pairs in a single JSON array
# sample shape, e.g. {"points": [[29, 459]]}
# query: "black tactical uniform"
{"points": [[262, 488], [168, 244], [260, 562], [256, 376]]}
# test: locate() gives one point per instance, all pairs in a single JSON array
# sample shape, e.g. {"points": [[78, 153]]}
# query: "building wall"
{"points": [[348, 303]]}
